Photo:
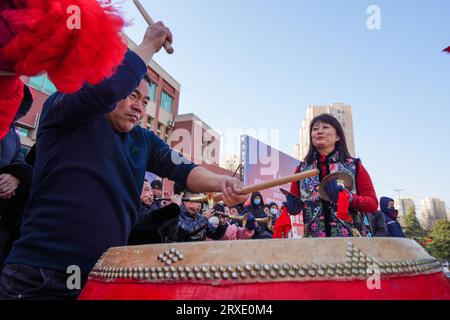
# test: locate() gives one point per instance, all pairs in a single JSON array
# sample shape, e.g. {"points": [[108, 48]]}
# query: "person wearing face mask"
{"points": [[394, 229], [273, 210], [256, 209], [345, 215]]}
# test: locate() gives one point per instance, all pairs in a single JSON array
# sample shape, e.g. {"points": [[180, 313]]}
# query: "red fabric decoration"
{"points": [[295, 185], [283, 225], [421, 287], [447, 50], [343, 206], [43, 41]]}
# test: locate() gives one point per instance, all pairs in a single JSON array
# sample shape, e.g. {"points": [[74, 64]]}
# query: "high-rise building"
{"points": [[340, 111], [297, 151], [433, 209], [230, 162], [403, 205]]}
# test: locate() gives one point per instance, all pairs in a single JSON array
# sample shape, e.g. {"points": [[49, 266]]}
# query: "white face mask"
{"points": [[273, 211]]}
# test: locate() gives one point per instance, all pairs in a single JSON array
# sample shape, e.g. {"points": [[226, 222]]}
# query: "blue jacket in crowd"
{"points": [[390, 215]]}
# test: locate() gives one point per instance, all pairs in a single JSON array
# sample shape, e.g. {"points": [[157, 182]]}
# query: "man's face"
{"points": [[157, 192], [147, 195], [192, 207], [130, 111]]}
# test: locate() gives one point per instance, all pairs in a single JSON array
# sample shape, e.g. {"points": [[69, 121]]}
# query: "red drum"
{"points": [[329, 268]]}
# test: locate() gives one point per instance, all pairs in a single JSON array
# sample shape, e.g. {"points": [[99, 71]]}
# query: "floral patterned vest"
{"points": [[319, 216]]}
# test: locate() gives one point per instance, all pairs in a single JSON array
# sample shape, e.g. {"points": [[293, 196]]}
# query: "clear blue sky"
{"points": [[260, 64]]}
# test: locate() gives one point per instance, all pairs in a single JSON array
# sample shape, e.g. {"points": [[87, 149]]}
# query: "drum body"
{"points": [[306, 269]]}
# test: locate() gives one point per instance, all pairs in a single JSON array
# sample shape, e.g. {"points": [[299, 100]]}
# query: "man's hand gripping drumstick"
{"points": [[167, 44]]}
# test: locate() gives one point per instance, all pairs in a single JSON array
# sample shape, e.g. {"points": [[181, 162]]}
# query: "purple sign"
{"points": [[261, 163]]}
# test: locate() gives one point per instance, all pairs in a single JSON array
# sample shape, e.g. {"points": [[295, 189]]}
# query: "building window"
{"points": [[37, 82], [166, 102], [42, 83], [22, 132], [152, 88]]}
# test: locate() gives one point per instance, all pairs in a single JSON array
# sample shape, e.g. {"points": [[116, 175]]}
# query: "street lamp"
{"points": [[400, 204]]}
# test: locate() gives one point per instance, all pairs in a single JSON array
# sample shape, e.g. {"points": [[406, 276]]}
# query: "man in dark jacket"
{"points": [[155, 226], [256, 209], [378, 223], [193, 226], [91, 160], [15, 182], [390, 214]]}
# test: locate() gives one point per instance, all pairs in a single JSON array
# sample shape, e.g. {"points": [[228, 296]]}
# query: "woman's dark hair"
{"points": [[341, 145]]}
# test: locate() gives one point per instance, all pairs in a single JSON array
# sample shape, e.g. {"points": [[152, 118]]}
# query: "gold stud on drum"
{"points": [[311, 272]]}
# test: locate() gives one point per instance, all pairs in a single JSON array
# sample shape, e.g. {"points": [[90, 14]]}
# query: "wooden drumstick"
{"points": [[7, 73], [280, 181], [146, 16], [214, 198]]}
